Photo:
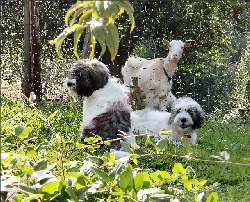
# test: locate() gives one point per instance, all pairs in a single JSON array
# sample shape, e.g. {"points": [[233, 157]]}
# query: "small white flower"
{"points": [[225, 155]]}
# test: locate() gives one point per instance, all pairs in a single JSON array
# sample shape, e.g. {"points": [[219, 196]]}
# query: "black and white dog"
{"points": [[185, 117], [105, 107]]}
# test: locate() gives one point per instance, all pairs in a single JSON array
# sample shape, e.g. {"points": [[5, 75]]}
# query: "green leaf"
{"points": [[126, 182], [59, 40], [77, 36], [126, 147], [195, 182], [138, 182], [91, 56], [35, 196], [27, 169], [100, 174], [18, 198], [159, 175], [18, 130], [42, 146], [28, 189], [83, 193], [146, 180], [100, 35], [160, 198], [72, 194], [40, 164], [116, 171], [163, 144], [187, 185], [97, 160], [184, 141], [112, 40], [76, 14], [25, 133], [31, 152], [75, 7], [50, 187], [178, 168], [213, 197]]}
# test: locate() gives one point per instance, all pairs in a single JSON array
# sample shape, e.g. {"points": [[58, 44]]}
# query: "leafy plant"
{"points": [[100, 16]]}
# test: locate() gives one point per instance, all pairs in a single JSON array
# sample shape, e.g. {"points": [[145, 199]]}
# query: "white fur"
{"points": [[151, 75], [153, 121]]}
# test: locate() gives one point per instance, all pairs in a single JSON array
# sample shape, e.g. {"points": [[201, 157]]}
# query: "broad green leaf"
{"points": [[74, 174], [178, 168], [160, 198], [126, 182], [18, 198], [27, 169], [159, 175], [187, 185], [34, 196], [50, 187], [138, 182], [72, 194], [31, 151], [100, 174], [203, 182], [146, 180], [25, 133], [213, 197], [40, 164], [194, 182], [163, 144], [112, 40], [19, 130], [28, 189], [97, 160], [116, 171], [100, 36], [126, 147], [77, 36], [83, 193], [184, 141]]}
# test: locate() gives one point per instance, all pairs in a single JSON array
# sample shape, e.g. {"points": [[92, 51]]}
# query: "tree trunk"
{"points": [[86, 45], [37, 86], [26, 78]]}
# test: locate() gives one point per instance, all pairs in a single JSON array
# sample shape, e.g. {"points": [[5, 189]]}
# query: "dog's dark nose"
{"points": [[183, 120], [69, 84]]}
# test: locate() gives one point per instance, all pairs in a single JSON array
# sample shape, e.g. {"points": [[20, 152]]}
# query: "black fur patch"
{"points": [[197, 117], [172, 116], [106, 125], [88, 79]]}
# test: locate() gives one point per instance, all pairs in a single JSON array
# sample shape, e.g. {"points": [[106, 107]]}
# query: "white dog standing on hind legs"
{"points": [[105, 111], [185, 117]]}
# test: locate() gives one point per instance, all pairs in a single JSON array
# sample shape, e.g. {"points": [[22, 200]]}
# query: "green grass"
{"points": [[214, 137]]}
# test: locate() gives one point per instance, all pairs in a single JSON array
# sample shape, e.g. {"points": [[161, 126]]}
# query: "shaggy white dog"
{"points": [[105, 111], [186, 115], [155, 76]]}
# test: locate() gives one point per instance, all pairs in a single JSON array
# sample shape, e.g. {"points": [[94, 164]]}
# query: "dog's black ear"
{"points": [[89, 78], [172, 116], [197, 117]]}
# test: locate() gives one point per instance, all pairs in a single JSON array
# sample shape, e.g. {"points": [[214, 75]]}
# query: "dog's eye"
{"points": [[178, 110]]}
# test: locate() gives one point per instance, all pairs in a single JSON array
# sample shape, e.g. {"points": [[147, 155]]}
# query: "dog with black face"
{"points": [[185, 117], [105, 111]]}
